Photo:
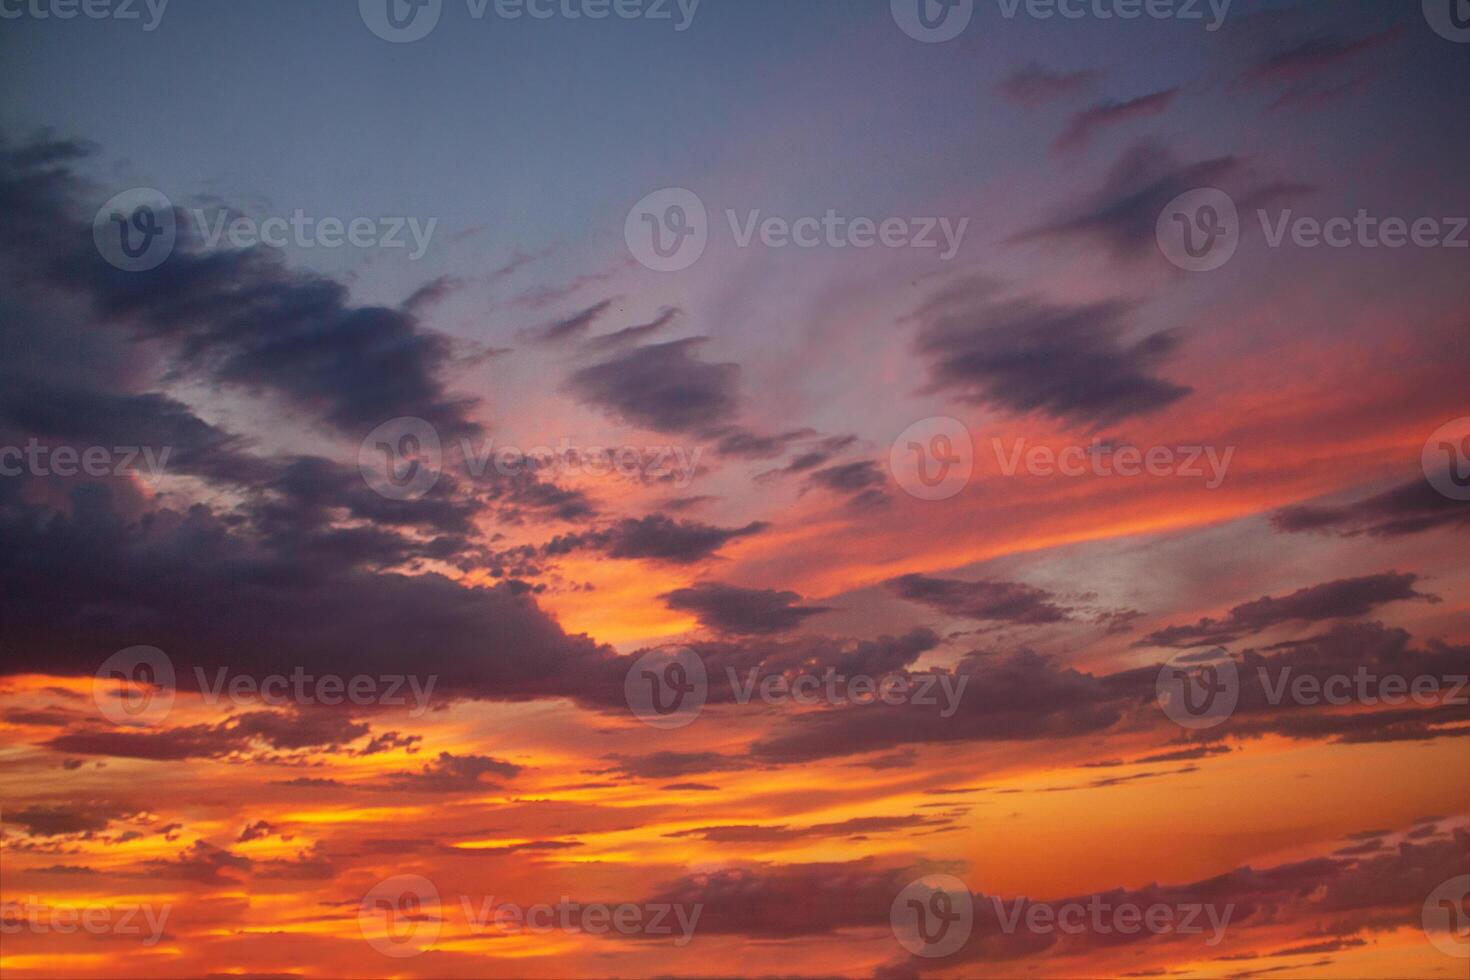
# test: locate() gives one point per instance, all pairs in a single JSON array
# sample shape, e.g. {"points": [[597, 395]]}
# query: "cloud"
{"points": [[1089, 122], [1338, 599], [664, 387], [1028, 355], [1121, 213], [1033, 84], [239, 318], [655, 537], [451, 773], [1410, 508], [1008, 602], [731, 609]]}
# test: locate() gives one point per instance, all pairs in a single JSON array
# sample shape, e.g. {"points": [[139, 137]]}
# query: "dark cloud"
{"points": [[236, 317], [1308, 56], [1027, 355], [664, 387], [68, 818], [1008, 602], [655, 537], [1122, 212], [1339, 599], [731, 609], [571, 328], [1409, 508], [451, 773], [1033, 84], [1089, 122], [748, 833]]}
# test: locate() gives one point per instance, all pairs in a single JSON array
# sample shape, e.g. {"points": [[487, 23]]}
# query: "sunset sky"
{"points": [[974, 419]]}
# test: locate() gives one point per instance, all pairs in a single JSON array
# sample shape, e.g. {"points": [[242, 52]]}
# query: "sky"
{"points": [[548, 488]]}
